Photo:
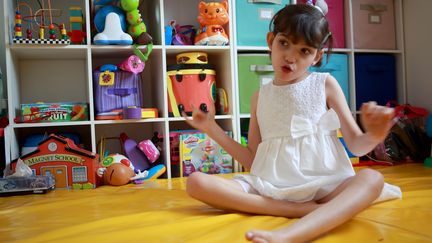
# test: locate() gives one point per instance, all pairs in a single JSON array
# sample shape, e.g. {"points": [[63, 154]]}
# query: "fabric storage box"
{"points": [[190, 84], [116, 89], [338, 68], [253, 71], [335, 17], [373, 24], [375, 78], [253, 19]]}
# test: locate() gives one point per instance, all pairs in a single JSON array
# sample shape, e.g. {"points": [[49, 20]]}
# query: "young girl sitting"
{"points": [[298, 167]]}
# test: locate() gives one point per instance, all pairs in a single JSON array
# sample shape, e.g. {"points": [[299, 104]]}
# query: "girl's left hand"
{"points": [[377, 120]]}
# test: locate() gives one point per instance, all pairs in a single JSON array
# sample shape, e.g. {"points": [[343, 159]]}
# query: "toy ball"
{"points": [[117, 158], [118, 174]]}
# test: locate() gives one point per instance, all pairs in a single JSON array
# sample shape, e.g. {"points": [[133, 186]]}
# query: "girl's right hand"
{"points": [[201, 120]]}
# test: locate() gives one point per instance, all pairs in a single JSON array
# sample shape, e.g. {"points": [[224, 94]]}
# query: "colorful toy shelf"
{"points": [[53, 70]]}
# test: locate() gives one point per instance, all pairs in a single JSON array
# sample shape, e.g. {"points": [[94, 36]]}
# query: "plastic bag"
{"points": [[407, 140]]}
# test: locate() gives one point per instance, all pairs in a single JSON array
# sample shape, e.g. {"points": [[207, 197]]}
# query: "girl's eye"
{"points": [[283, 42], [306, 51]]}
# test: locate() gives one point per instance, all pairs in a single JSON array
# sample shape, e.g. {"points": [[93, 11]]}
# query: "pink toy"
{"points": [[149, 149], [132, 64]]}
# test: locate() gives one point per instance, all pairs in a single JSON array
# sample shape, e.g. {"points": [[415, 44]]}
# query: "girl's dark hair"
{"points": [[303, 22]]}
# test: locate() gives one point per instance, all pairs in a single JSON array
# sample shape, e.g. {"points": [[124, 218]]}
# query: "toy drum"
{"points": [[192, 58], [190, 85]]}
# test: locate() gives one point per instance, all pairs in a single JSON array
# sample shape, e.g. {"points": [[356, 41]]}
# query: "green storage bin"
{"points": [[253, 71], [253, 19]]}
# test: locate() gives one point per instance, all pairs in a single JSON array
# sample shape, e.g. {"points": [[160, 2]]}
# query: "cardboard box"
{"points": [[198, 152], [54, 112]]}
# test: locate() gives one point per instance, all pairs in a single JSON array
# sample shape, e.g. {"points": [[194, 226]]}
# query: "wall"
{"points": [[418, 52]]}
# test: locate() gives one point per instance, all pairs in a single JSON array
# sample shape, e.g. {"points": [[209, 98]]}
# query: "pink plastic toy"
{"points": [[149, 149]]}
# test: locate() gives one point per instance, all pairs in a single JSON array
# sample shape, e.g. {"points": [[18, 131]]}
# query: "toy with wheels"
{"points": [[212, 17]]}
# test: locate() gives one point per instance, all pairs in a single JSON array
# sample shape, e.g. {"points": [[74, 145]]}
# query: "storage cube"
{"points": [[373, 24], [338, 68], [253, 19], [375, 78], [253, 71], [335, 17]]}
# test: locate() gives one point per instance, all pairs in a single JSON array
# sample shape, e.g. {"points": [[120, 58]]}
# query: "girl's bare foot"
{"points": [[260, 236]]}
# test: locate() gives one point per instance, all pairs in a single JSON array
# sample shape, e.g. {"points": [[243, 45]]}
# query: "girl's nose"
{"points": [[290, 57]]}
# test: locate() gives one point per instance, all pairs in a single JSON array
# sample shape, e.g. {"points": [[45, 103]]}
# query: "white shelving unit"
{"points": [[64, 73], [351, 51]]}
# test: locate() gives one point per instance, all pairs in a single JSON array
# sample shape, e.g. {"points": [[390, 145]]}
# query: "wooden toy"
{"points": [[39, 19], [76, 22], [71, 166]]}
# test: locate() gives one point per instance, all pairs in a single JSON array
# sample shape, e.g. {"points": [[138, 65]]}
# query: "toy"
{"points": [[116, 89], [53, 112], [190, 84], [199, 153], [118, 174], [192, 58], [149, 149], [132, 64], [212, 17], [149, 174], [33, 19], [109, 22], [76, 21], [72, 167], [176, 34], [136, 156], [13, 185]]}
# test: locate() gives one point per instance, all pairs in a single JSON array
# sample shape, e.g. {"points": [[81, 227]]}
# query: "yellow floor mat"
{"points": [[161, 211]]}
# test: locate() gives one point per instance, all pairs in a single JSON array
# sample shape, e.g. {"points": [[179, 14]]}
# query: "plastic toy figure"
{"points": [[212, 17]]}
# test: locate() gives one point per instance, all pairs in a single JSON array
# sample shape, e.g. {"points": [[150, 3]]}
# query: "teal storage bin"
{"points": [[253, 71], [253, 19], [338, 68]]}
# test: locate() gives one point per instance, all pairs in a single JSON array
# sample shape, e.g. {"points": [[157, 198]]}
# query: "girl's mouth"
{"points": [[287, 69]]}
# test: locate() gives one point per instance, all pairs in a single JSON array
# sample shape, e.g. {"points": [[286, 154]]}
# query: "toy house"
{"points": [[71, 166]]}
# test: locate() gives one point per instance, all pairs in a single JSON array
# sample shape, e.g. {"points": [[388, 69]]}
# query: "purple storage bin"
{"points": [[124, 91], [374, 24]]}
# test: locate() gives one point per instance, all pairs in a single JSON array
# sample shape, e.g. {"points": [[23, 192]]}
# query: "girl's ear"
{"points": [[270, 38], [318, 57]]}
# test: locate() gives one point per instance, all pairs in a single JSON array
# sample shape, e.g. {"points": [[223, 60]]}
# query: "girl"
{"points": [[298, 167]]}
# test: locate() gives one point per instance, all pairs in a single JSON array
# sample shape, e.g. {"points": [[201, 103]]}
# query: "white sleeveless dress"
{"points": [[300, 157]]}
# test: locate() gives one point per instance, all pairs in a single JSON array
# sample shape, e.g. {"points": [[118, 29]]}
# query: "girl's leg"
{"points": [[348, 200], [227, 194]]}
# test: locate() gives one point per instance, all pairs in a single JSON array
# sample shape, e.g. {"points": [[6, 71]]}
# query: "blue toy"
{"points": [[111, 24]]}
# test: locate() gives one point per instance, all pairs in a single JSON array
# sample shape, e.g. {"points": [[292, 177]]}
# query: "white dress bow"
{"points": [[302, 127]]}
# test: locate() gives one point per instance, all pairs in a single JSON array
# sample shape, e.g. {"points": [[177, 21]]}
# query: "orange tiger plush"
{"points": [[212, 17]]}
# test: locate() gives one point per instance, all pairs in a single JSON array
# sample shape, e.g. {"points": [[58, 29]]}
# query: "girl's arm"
{"points": [[206, 123], [376, 120]]}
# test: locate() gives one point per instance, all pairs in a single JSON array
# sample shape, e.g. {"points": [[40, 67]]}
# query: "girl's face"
{"points": [[291, 60]]}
